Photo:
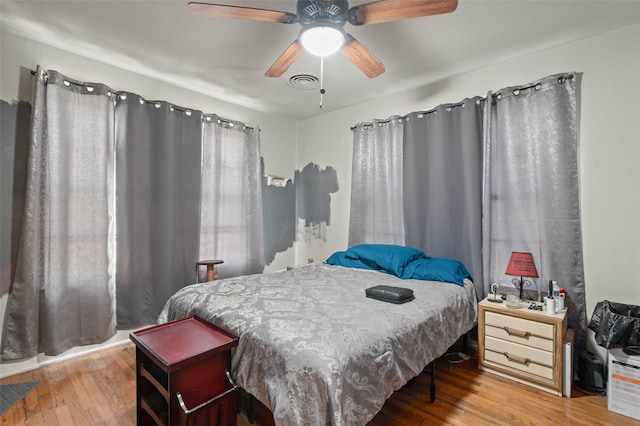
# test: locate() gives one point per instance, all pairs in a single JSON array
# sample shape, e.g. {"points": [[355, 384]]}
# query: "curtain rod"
{"points": [[537, 86], [448, 107], [516, 91], [187, 111]]}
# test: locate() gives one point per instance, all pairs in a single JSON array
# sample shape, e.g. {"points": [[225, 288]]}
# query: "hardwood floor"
{"points": [[99, 389]]}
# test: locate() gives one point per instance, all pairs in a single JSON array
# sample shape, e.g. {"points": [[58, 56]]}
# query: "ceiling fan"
{"points": [[322, 22]]}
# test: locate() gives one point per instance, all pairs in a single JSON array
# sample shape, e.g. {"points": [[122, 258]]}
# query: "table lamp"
{"points": [[522, 265]]}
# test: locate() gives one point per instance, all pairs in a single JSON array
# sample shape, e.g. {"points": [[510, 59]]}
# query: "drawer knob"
{"points": [[515, 358], [518, 333]]}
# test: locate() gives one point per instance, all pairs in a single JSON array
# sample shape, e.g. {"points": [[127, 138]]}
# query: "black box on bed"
{"points": [[391, 294]]}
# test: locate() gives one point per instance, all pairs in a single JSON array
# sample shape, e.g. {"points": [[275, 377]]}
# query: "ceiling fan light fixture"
{"points": [[322, 40]]}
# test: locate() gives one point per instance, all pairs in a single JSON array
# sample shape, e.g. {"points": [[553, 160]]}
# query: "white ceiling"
{"points": [[227, 58]]}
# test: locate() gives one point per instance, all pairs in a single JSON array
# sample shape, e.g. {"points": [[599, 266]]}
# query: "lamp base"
{"points": [[521, 289]]}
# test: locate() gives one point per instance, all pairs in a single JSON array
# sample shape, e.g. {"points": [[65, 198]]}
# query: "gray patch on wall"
{"points": [[279, 218], [313, 194], [308, 198], [14, 142]]}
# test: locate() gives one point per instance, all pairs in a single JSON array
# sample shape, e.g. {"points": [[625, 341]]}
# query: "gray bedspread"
{"points": [[314, 349]]}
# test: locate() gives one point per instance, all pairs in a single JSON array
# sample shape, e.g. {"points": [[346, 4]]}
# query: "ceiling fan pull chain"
{"points": [[322, 91]]}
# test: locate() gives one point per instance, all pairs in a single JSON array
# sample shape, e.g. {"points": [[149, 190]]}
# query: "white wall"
{"points": [[609, 149], [20, 55]]}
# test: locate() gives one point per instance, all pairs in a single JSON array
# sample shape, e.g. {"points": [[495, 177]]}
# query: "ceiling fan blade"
{"points": [[238, 12], [361, 57], [397, 10], [285, 60]]}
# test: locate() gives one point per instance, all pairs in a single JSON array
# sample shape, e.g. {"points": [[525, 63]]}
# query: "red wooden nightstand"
{"points": [[182, 374]]}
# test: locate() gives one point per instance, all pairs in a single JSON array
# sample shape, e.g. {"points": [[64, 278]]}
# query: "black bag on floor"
{"points": [[617, 325]]}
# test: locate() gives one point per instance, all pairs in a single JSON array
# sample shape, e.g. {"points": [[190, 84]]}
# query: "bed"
{"points": [[314, 350]]}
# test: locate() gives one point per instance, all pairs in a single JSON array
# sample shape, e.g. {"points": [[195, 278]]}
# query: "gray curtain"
{"points": [[376, 183], [231, 206], [14, 141], [531, 195], [158, 205], [68, 232], [104, 163], [442, 169]]}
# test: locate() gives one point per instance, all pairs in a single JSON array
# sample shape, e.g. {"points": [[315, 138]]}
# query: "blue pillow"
{"points": [[438, 269], [385, 257], [339, 258]]}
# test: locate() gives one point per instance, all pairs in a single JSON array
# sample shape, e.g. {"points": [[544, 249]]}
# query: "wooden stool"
{"points": [[211, 271]]}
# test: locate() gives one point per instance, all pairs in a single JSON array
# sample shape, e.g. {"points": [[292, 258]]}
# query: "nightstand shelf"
{"points": [[522, 344]]}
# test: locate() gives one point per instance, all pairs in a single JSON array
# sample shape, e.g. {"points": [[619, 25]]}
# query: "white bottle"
{"points": [[560, 300], [551, 305]]}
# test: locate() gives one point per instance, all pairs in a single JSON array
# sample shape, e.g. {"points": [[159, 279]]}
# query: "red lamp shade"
{"points": [[522, 265]]}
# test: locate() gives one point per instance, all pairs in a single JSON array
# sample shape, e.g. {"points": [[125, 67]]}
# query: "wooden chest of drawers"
{"points": [[521, 344]]}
